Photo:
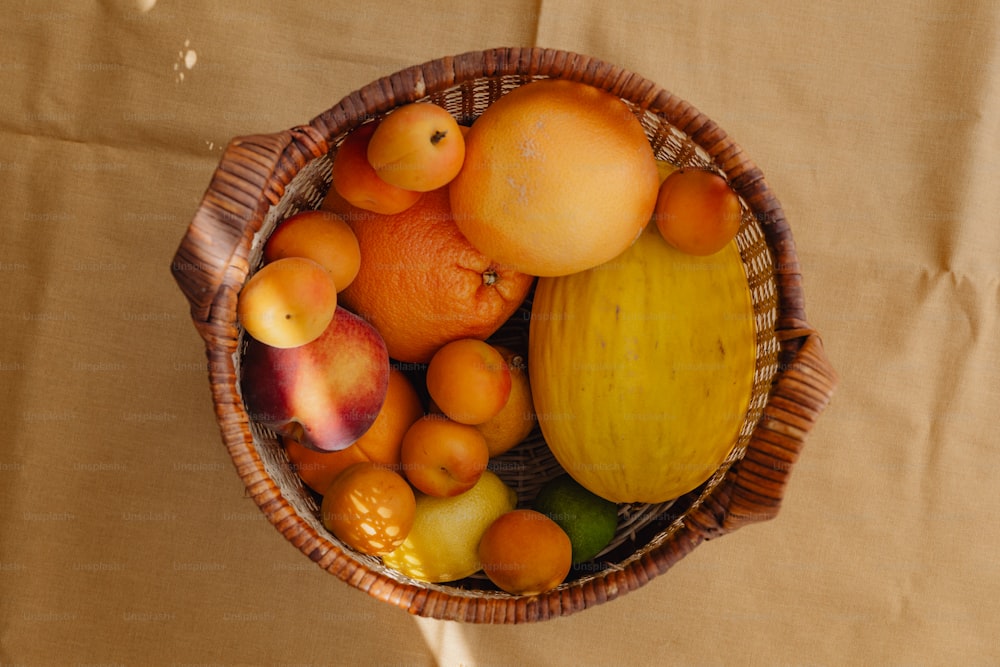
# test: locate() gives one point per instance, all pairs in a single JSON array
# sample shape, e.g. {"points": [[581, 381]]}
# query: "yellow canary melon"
{"points": [[642, 368]]}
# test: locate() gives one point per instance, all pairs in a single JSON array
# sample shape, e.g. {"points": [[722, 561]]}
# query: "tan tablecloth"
{"points": [[126, 535]]}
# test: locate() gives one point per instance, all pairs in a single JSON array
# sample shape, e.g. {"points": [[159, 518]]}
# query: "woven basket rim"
{"points": [[252, 177]]}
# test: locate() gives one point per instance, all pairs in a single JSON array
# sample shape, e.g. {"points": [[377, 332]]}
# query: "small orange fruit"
{"points": [[321, 236], [417, 147], [421, 283], [697, 212], [401, 408], [380, 444], [516, 419], [288, 303], [369, 508], [355, 179], [443, 458], [318, 469], [525, 552], [558, 178], [468, 380]]}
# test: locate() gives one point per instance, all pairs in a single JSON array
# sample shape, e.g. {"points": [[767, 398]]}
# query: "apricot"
{"points": [[321, 236], [356, 181], [417, 147], [317, 469], [441, 457], [370, 508], [468, 379], [516, 419], [525, 552], [697, 212], [288, 303]]}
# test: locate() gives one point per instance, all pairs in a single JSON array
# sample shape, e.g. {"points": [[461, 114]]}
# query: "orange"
{"points": [[516, 419], [421, 283], [369, 508], [380, 444], [525, 552], [558, 177]]}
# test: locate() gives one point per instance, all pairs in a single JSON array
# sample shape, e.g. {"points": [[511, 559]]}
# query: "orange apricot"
{"points": [[525, 552], [516, 419], [417, 147], [468, 380], [321, 236], [356, 181], [370, 508], [288, 303], [442, 457], [697, 212]]}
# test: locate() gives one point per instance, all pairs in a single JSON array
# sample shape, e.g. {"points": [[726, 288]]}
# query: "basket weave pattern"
{"points": [[263, 179]]}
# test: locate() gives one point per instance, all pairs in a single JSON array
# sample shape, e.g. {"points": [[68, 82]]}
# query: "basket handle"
{"points": [[754, 488], [251, 176]]}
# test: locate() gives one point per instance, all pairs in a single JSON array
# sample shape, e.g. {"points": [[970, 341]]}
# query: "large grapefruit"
{"points": [[558, 178]]}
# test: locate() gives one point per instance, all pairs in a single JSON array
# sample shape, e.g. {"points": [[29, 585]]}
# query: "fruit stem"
{"points": [[489, 277], [438, 136], [295, 430]]}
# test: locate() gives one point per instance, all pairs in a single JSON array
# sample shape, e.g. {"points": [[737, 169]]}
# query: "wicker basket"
{"points": [[263, 179]]}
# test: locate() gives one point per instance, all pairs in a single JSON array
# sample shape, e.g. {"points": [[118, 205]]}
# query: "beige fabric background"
{"points": [[125, 536]]}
